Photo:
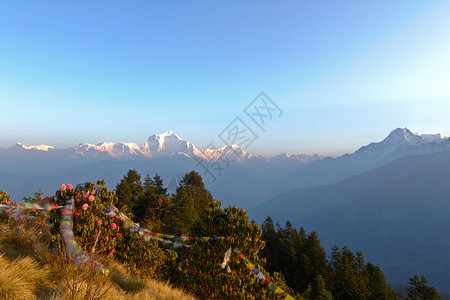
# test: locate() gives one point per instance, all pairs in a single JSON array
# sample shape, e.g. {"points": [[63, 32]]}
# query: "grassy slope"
{"points": [[30, 271]]}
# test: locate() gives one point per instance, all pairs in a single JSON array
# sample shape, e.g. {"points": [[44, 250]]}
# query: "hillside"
{"points": [[397, 214], [26, 273]]}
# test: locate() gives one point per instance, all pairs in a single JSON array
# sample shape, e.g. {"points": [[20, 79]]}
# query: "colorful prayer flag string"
{"points": [[270, 285], [113, 212]]}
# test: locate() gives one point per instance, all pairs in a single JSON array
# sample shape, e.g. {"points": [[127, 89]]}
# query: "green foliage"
{"points": [[5, 199], [129, 190], [144, 258], [353, 279], [152, 208], [92, 228], [318, 290], [420, 290], [199, 269], [189, 202], [299, 256], [159, 187], [376, 284]]}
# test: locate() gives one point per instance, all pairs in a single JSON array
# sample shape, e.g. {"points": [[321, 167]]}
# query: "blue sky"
{"points": [[344, 73]]}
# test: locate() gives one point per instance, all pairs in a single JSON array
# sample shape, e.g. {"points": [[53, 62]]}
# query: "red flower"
{"points": [[113, 226]]}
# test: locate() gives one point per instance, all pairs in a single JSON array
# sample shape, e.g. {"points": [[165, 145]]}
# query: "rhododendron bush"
{"points": [[97, 233]]}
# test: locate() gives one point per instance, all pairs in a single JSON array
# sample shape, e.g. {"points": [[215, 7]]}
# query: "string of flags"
{"points": [[20, 210], [270, 285], [47, 203], [165, 239], [113, 212]]}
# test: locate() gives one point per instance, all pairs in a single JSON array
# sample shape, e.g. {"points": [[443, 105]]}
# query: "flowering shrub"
{"points": [[5, 199], [90, 225], [93, 229]]}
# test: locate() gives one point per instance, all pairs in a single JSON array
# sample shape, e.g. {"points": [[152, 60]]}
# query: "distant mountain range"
{"points": [[398, 214], [248, 181], [389, 199], [166, 144]]}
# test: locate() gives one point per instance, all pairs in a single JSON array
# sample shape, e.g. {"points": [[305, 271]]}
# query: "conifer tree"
{"points": [[189, 202], [420, 290], [149, 186], [159, 187], [317, 290], [271, 249], [142, 204], [376, 284], [129, 190], [313, 259]]}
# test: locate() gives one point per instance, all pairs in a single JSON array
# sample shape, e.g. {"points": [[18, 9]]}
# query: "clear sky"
{"points": [[344, 73]]}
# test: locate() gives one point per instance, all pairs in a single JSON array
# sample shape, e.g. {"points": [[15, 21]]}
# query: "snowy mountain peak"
{"points": [[162, 136], [167, 143], [404, 136], [305, 158], [35, 147], [401, 138]]}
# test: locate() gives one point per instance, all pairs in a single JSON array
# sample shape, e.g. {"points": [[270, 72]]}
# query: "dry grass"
{"points": [[29, 270], [22, 278]]}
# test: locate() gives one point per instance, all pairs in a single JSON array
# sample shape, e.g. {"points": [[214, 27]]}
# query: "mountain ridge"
{"points": [[166, 144]]}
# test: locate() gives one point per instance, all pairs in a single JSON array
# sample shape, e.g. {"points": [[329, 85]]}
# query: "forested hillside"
{"points": [[188, 239]]}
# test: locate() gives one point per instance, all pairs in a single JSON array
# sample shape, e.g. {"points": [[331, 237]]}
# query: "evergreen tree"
{"points": [[313, 259], [299, 256], [376, 284], [288, 261], [149, 186], [345, 281], [129, 190], [189, 202], [143, 202], [271, 249], [420, 290], [159, 187], [318, 290]]}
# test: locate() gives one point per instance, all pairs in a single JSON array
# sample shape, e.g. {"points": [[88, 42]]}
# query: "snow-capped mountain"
{"points": [[402, 138], [305, 158], [166, 144], [114, 150], [20, 146]]}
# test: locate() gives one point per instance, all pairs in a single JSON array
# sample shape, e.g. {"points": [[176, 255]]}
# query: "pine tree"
{"points": [[314, 259], [345, 282], [271, 249], [318, 290], [420, 290], [189, 202], [288, 261], [143, 202], [376, 284], [159, 187], [129, 190], [149, 186]]}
